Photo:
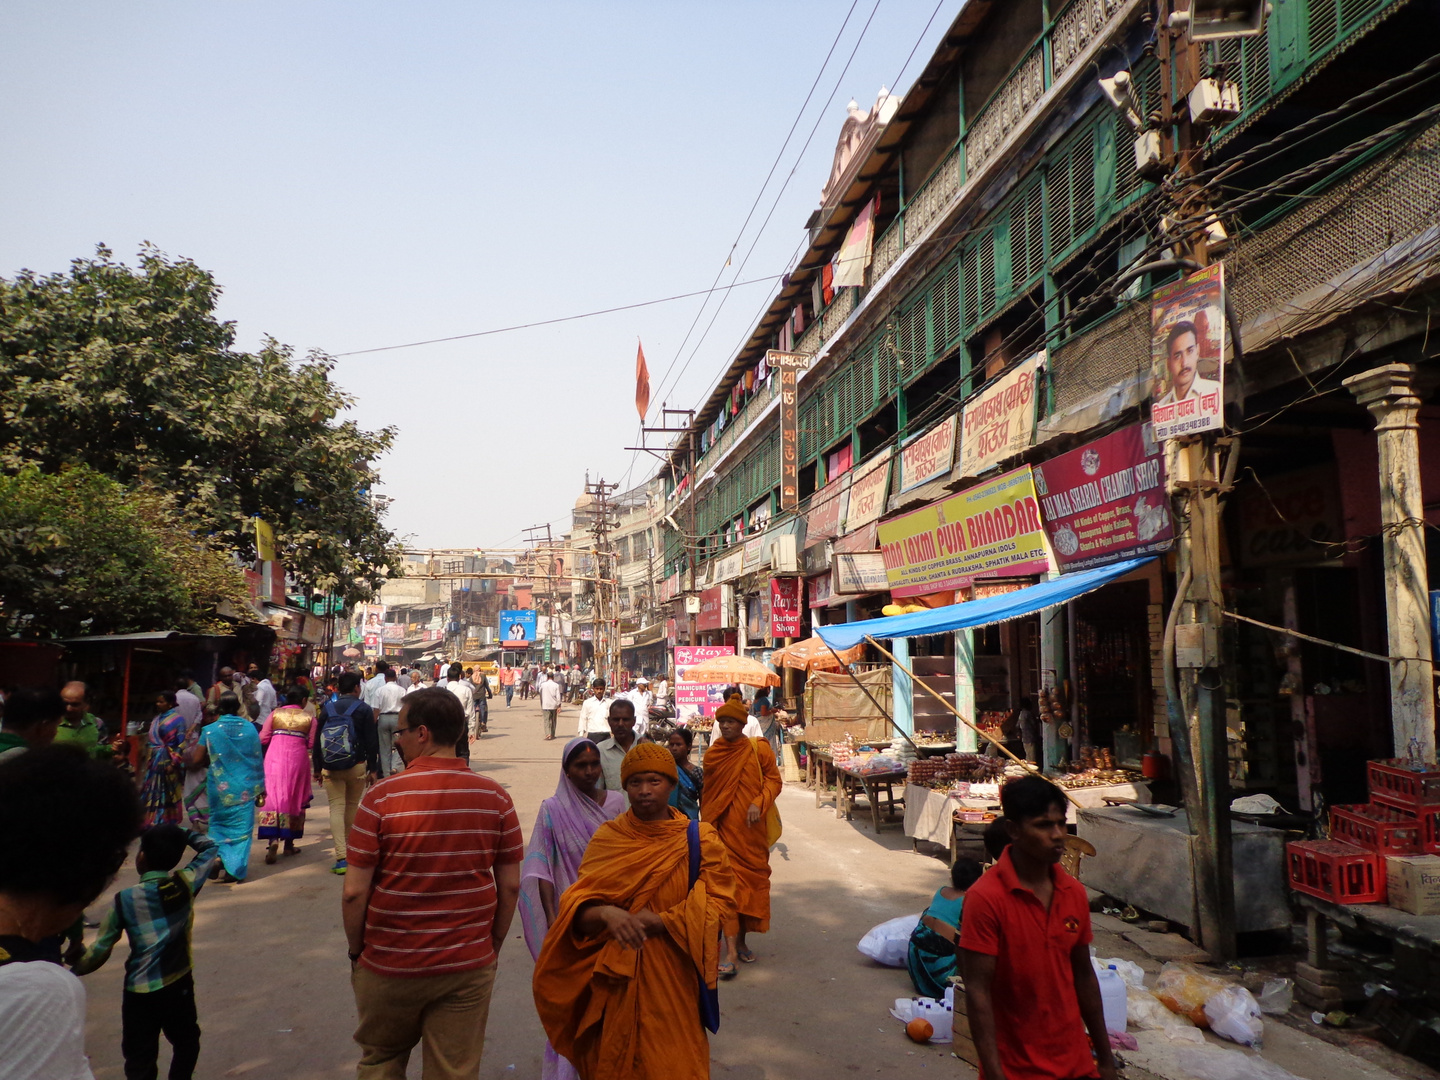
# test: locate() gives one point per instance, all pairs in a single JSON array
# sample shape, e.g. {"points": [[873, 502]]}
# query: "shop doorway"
{"points": [[1112, 666]]}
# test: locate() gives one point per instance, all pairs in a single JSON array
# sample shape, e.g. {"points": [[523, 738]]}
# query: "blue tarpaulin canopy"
{"points": [[992, 609]]}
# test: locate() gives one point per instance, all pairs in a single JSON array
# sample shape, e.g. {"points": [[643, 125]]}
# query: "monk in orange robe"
{"points": [[617, 982], [741, 786]]}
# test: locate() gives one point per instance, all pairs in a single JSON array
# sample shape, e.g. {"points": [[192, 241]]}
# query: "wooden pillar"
{"points": [[1391, 395]]}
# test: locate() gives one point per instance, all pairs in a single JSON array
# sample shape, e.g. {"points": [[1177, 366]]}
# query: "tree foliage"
{"points": [[79, 554], [129, 372]]}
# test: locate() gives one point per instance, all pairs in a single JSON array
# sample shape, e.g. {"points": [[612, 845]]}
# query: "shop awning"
{"points": [[994, 609]]}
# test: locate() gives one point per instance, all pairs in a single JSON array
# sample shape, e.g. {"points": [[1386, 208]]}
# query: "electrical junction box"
{"points": [[1214, 102], [1147, 155], [1197, 645], [692, 605]]}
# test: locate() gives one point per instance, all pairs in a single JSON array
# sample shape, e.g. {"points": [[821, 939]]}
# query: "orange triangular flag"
{"points": [[642, 383]]}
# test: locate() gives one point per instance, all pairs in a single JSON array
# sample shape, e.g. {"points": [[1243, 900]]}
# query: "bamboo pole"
{"points": [[979, 731]]}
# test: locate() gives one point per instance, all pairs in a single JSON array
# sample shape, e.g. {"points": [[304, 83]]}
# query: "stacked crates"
{"points": [[1402, 818]]}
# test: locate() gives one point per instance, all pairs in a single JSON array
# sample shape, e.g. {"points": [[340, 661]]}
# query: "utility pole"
{"points": [[606, 618], [549, 595], [1201, 742]]}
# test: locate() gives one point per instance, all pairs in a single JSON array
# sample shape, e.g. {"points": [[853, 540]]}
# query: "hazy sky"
{"points": [[359, 175]]}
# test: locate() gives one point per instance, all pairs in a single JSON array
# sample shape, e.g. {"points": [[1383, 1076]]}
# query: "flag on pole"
{"points": [[642, 383]]}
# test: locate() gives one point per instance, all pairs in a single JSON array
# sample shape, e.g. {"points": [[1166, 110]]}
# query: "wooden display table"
{"points": [[869, 785]]}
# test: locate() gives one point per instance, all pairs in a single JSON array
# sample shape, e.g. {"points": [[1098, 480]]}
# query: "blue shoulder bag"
{"points": [[709, 999]]}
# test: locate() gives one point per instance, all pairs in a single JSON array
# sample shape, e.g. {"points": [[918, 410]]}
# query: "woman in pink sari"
{"points": [[288, 737], [562, 831]]}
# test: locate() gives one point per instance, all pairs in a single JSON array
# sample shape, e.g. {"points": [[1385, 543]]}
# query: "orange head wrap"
{"points": [[648, 757], [734, 709]]}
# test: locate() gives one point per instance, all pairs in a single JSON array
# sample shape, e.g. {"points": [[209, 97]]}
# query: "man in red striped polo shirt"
{"points": [[434, 876]]}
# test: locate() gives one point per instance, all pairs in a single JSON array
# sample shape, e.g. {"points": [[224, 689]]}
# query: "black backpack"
{"points": [[339, 741]]}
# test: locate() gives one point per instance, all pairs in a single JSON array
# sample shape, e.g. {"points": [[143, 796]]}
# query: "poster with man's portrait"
{"points": [[1187, 340]]}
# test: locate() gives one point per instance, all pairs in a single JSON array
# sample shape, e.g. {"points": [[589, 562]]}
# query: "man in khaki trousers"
{"points": [[346, 757], [433, 882]]}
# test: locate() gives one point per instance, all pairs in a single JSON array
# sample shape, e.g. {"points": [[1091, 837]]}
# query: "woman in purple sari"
{"points": [[562, 831], [162, 791]]}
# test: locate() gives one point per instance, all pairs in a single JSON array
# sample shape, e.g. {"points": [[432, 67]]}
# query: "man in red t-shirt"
{"points": [[1030, 989], [432, 883]]}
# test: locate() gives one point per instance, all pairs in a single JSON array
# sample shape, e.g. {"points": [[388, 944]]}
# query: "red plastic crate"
{"points": [[1430, 832], [1340, 873], [1376, 827], [1394, 783]]}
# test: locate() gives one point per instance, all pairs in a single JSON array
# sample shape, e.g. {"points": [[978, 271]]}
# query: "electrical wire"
{"points": [[560, 319]]}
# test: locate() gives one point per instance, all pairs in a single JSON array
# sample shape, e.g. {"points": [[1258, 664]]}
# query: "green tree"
{"points": [[127, 370], [79, 554]]}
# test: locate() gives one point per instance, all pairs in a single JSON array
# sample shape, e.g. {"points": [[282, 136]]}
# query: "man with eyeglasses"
{"points": [[438, 849]]}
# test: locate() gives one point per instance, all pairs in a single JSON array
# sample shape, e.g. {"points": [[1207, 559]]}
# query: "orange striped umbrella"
{"points": [[732, 669], [812, 654]]}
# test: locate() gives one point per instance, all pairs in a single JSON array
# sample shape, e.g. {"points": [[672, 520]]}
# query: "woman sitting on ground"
{"points": [[934, 955]]}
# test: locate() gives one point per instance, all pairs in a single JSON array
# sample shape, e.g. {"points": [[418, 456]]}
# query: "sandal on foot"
{"points": [[726, 970], [271, 854], [745, 956]]}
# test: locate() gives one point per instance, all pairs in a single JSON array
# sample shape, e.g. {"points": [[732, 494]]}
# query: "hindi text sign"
{"points": [[789, 365], [980, 532], [1000, 422], [1187, 355], [928, 456], [1105, 501]]}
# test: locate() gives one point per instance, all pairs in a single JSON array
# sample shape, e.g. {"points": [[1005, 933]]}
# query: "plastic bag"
{"points": [[1185, 989], [1132, 973], [1148, 1013], [1277, 995], [1235, 1015], [889, 943], [1213, 1063]]}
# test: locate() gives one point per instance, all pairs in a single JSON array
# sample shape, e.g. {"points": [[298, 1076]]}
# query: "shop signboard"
{"points": [[517, 628], [1106, 500], [372, 643], [1291, 518], [789, 365], [784, 607], [391, 632], [730, 566], [929, 456], [1000, 422], [1187, 354], [822, 591], [716, 610], [587, 633], [706, 697], [859, 572], [867, 493], [984, 531], [757, 553], [827, 510]]}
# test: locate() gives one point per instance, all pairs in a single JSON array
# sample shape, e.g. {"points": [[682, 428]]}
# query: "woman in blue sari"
{"points": [[162, 790], [235, 783], [685, 796]]}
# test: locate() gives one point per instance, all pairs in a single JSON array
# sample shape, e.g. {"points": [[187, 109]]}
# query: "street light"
{"points": [[1216, 20]]}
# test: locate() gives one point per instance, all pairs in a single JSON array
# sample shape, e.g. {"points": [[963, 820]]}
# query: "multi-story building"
{"points": [[988, 248]]}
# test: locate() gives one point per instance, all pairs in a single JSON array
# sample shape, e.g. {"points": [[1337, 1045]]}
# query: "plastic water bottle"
{"points": [[1112, 996]]}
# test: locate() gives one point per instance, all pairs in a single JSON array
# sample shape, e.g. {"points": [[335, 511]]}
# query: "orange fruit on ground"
{"points": [[919, 1029]]}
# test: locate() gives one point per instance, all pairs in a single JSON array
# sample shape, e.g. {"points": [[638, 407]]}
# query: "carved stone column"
{"points": [[1391, 394]]}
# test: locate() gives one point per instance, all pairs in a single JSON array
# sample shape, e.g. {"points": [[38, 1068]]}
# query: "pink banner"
{"points": [[704, 696]]}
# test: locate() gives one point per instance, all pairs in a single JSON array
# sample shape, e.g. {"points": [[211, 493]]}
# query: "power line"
{"points": [[562, 318]]}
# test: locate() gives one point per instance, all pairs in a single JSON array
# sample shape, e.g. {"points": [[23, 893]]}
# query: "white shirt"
{"points": [[461, 689], [265, 696], [594, 716], [387, 700], [372, 688], [1198, 388], [404, 681], [42, 1023], [417, 684], [662, 689], [190, 706], [550, 694]]}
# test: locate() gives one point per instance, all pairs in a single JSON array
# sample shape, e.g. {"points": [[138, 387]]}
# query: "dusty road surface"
{"points": [[272, 979]]}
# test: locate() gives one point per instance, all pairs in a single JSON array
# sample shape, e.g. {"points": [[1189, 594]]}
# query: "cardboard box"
{"points": [[1414, 883]]}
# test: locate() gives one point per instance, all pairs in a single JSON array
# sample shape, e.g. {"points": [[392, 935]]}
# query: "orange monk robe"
{"points": [[626, 1014], [739, 775]]}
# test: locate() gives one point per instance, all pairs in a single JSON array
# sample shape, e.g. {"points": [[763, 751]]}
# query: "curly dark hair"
{"points": [[80, 816]]}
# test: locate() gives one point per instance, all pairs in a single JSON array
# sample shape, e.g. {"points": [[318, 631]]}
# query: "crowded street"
{"points": [[631, 541]]}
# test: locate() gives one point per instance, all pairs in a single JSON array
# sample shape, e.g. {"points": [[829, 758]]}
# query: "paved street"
{"points": [[272, 978]]}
